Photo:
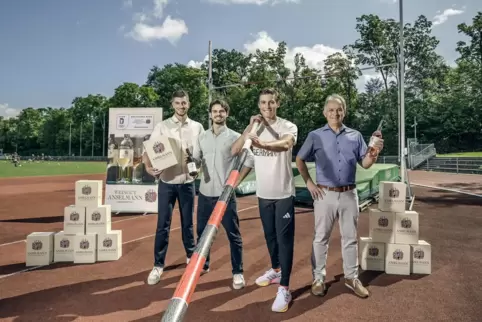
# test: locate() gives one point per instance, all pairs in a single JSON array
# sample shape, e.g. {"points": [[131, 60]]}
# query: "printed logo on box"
{"points": [[74, 216], [373, 251], [393, 193], [37, 245], [158, 147], [419, 254], [383, 221], [406, 224], [107, 243], [86, 191], [398, 255], [64, 243], [84, 244], [96, 216], [151, 195]]}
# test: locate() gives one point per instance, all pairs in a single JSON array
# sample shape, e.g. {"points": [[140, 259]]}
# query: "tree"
{"points": [[447, 100]]}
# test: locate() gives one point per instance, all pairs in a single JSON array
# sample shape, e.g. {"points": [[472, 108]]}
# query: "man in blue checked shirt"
{"points": [[336, 150]]}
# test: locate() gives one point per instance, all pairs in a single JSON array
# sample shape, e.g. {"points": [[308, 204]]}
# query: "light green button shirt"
{"points": [[214, 154]]}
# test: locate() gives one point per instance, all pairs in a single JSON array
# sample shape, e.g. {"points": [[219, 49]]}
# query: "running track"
{"points": [[116, 291]]}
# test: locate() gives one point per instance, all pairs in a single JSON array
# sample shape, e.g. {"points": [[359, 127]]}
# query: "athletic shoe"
{"points": [[357, 287], [155, 276], [318, 288], [238, 281], [282, 300], [269, 277], [187, 260]]}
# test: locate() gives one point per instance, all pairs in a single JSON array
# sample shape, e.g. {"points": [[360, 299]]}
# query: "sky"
{"points": [[52, 51]]}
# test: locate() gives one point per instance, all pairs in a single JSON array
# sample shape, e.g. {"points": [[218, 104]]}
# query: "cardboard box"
{"points": [[406, 228], [159, 149], [109, 246], [64, 247], [98, 219], [392, 196], [85, 248], [397, 259], [381, 226], [371, 255], [39, 249], [421, 258], [88, 193], [74, 220]]}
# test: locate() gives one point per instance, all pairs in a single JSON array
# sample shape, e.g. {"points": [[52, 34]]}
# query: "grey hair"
{"points": [[337, 99]]}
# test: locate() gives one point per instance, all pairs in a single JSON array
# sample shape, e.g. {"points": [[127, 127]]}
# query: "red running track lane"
{"points": [[116, 291]]}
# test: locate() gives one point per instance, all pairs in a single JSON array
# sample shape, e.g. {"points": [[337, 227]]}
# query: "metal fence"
{"points": [[454, 165], [421, 153]]}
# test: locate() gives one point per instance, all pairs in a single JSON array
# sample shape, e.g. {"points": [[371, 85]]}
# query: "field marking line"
{"points": [[54, 175], [447, 189], [124, 243]]}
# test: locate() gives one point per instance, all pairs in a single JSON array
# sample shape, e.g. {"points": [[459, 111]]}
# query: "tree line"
{"points": [[445, 98]]}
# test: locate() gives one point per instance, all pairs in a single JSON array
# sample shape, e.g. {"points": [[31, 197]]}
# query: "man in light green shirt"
{"points": [[212, 152]]}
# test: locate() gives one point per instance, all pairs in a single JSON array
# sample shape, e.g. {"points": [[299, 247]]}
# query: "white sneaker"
{"points": [[282, 300], [187, 260], [155, 276], [238, 281], [269, 277], [205, 271]]}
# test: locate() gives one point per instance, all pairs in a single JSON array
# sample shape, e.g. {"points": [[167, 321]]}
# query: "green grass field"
{"points": [[47, 168], [461, 155]]}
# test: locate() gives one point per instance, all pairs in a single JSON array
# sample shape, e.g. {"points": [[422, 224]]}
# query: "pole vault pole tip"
{"points": [[176, 311]]}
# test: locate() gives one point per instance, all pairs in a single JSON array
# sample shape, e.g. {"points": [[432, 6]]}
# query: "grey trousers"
{"points": [[344, 207]]}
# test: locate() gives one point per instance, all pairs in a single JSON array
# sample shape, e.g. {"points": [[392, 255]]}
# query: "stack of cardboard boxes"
{"points": [[393, 245], [87, 236]]}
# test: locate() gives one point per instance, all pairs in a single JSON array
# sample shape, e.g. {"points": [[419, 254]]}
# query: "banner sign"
{"points": [[129, 188]]}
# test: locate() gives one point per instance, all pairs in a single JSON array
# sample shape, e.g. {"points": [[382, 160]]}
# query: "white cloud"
{"points": [[440, 18], [127, 4], [8, 112], [147, 27], [171, 29], [314, 55], [159, 6], [255, 2], [197, 64]]}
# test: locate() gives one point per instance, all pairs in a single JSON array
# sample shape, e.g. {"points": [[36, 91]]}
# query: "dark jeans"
{"points": [[167, 196], [278, 220], [230, 222]]}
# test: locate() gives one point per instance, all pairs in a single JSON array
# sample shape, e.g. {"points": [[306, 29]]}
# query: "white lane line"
{"points": [[124, 243], [447, 189]]}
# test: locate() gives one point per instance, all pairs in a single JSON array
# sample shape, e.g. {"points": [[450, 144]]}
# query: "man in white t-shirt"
{"points": [[275, 188], [175, 183]]}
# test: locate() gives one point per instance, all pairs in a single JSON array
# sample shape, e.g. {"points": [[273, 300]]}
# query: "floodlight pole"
{"points": [[210, 79], [402, 97]]}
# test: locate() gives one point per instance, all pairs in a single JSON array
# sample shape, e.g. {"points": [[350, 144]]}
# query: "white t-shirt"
{"points": [[274, 174], [180, 135]]}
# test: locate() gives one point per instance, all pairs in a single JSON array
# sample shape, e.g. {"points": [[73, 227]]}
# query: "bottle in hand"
{"points": [[371, 146], [376, 136], [191, 165]]}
